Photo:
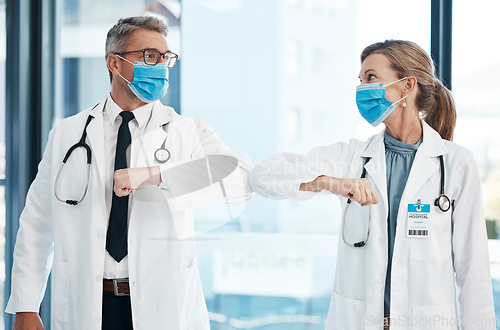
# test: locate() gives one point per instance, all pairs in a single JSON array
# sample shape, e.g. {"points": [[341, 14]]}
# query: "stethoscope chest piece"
{"points": [[162, 155], [443, 202]]}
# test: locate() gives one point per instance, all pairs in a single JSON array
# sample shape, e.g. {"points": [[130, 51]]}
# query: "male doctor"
{"points": [[123, 257]]}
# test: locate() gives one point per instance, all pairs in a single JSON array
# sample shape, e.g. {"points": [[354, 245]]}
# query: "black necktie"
{"points": [[116, 238]]}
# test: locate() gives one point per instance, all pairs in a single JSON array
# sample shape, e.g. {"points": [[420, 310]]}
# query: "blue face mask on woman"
{"points": [[372, 104], [150, 81]]}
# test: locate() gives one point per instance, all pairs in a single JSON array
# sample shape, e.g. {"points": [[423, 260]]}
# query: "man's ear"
{"points": [[112, 62]]}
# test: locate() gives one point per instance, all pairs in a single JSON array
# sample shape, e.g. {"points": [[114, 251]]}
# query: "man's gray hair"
{"points": [[118, 35]]}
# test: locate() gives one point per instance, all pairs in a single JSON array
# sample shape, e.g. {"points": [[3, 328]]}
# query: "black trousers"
{"points": [[116, 312]]}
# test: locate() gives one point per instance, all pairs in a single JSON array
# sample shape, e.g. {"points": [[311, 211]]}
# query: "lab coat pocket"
{"points": [[345, 313], [190, 300], [434, 318], [60, 292], [437, 246]]}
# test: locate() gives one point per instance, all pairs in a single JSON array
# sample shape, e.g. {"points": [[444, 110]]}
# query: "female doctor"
{"points": [[416, 236]]}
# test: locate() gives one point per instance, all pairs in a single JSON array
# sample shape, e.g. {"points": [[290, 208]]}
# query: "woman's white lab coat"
{"points": [[165, 286], [426, 272]]}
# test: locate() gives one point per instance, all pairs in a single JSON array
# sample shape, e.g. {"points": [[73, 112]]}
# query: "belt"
{"points": [[387, 321], [118, 286]]}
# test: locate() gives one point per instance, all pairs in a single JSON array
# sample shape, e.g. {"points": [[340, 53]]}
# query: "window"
{"points": [[474, 86], [2, 153], [280, 76], [274, 76], [475, 68]]}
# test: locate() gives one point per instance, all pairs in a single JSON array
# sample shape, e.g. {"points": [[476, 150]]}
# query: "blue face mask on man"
{"points": [[372, 104], [150, 81]]}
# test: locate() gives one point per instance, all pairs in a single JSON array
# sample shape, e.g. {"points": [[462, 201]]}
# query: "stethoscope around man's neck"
{"points": [[442, 202], [79, 144], [162, 155]]}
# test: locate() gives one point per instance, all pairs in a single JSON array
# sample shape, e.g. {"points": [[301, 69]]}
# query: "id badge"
{"points": [[419, 220]]}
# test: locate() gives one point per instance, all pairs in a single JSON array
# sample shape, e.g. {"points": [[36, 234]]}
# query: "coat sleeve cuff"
{"points": [[163, 168], [14, 307]]}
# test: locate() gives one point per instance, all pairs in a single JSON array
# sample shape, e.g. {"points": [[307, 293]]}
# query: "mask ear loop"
{"points": [[404, 103], [124, 78], [123, 58], [386, 84]]}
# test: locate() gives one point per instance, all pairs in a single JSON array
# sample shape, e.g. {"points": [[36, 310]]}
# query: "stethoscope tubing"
{"points": [[349, 201], [83, 144], [77, 145], [363, 242], [442, 202], [71, 201]]}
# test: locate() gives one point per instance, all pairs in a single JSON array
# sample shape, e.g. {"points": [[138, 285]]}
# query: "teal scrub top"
{"points": [[399, 158]]}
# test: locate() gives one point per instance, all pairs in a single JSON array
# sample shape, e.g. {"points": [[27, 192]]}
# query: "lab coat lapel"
{"points": [[154, 136], [423, 167], [425, 164], [376, 166], [95, 133]]}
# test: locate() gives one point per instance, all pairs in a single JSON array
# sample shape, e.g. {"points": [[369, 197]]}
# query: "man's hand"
{"points": [[130, 179], [27, 321], [359, 190]]}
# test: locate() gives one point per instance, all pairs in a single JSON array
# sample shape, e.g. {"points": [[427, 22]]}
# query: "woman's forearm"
{"points": [[321, 183], [359, 190]]}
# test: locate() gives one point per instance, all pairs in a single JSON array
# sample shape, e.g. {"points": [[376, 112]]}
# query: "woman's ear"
{"points": [[410, 85]]}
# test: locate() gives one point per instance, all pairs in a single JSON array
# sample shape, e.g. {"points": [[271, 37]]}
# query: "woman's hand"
{"points": [[359, 190]]}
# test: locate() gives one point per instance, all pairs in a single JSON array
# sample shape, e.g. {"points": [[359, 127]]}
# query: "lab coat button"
{"points": [[378, 281], [101, 235], [98, 278], [382, 241], [97, 319]]}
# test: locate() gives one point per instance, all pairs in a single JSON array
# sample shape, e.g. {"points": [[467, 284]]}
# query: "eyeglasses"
{"points": [[152, 56]]}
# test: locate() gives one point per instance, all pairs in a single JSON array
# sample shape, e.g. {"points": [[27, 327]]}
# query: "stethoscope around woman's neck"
{"points": [[442, 202]]}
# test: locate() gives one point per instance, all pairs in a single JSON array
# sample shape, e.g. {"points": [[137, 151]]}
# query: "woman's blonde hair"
{"points": [[433, 99]]}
